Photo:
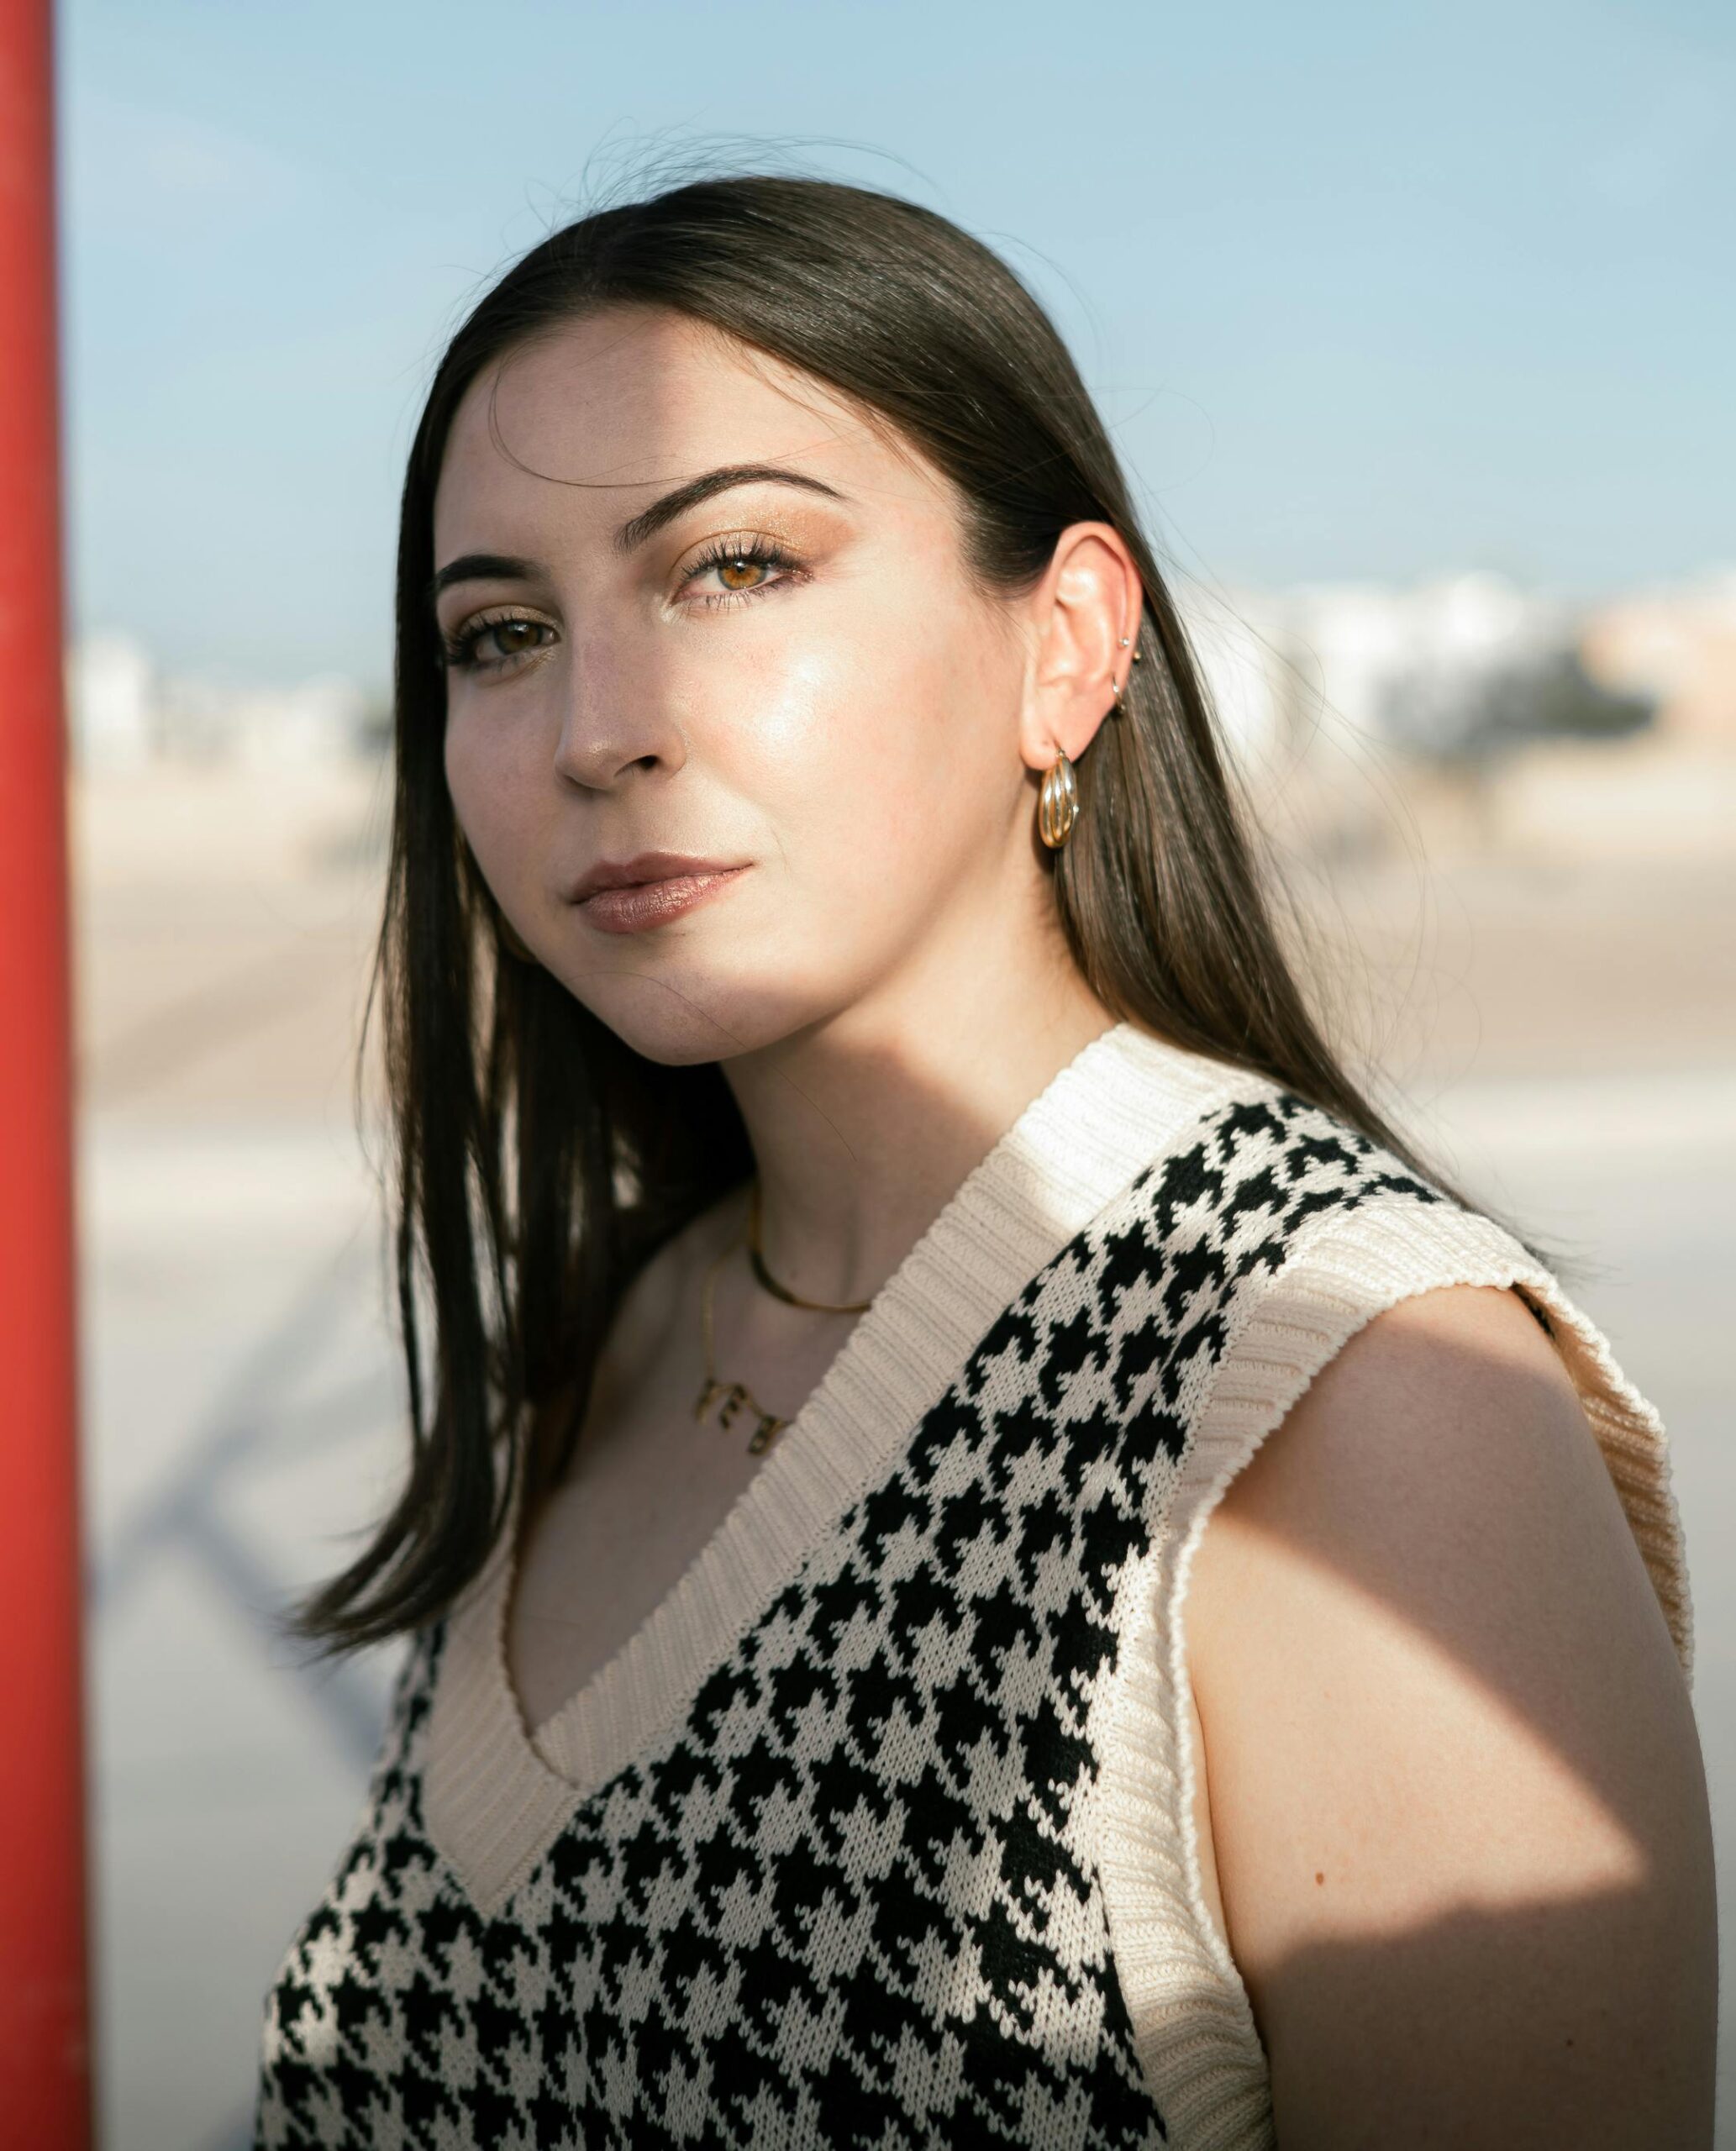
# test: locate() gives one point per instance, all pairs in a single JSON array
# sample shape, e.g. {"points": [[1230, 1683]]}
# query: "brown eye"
{"points": [[743, 568], [497, 645], [734, 572]]}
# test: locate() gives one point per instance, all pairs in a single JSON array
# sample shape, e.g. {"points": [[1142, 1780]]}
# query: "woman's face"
{"points": [[788, 677]]}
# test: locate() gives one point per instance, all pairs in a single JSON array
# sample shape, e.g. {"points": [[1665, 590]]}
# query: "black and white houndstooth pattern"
{"points": [[852, 1898]]}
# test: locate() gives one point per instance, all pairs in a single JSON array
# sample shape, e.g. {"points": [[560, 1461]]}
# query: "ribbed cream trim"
{"points": [[1193, 2028], [494, 1799]]}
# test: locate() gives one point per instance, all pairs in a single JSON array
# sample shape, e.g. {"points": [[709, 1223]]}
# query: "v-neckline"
{"points": [[494, 1793]]}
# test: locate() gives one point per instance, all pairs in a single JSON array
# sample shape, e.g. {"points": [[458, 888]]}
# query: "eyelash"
{"points": [[756, 552], [460, 649]]}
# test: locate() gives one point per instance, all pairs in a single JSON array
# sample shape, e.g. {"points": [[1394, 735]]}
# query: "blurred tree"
{"points": [[1470, 715]]}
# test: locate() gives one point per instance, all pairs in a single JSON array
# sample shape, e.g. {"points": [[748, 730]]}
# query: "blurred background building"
{"points": [[1419, 370]]}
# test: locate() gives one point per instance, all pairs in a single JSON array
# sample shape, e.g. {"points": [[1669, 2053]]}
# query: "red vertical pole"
{"points": [[45, 2068]]}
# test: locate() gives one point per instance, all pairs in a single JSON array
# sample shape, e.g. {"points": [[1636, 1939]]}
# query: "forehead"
{"points": [[568, 424]]}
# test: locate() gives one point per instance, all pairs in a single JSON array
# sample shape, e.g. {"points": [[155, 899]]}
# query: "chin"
{"points": [[678, 1023]]}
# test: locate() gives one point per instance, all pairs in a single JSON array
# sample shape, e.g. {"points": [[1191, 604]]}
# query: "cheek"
{"points": [[873, 796], [491, 798], [859, 753]]}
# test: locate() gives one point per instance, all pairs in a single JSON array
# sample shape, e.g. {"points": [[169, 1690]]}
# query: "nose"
{"points": [[616, 714]]}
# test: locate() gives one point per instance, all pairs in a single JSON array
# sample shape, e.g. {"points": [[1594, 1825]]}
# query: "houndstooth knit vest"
{"points": [[880, 1831]]}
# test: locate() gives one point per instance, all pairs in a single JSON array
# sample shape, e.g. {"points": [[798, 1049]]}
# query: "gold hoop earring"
{"points": [[1058, 803]]}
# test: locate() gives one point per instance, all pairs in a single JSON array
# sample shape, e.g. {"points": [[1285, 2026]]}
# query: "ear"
{"points": [[1090, 598]]}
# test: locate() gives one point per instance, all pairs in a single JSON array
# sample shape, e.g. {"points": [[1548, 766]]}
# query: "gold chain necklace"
{"points": [[735, 1396]]}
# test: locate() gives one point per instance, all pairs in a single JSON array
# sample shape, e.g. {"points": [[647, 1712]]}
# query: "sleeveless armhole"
{"points": [[1193, 2028]]}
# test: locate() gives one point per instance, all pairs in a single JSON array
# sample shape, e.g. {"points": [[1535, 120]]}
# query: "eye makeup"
{"points": [[755, 549], [466, 648]]}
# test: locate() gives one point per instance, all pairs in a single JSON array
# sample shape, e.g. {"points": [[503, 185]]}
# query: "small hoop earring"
{"points": [[1058, 804], [1117, 706]]}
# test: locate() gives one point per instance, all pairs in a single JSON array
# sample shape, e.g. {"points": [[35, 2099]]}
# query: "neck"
{"points": [[863, 1126]]}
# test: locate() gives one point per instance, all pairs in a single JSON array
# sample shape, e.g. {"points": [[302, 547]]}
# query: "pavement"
{"points": [[1561, 1038]]}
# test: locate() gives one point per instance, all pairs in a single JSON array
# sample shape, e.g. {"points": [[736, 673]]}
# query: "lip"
{"points": [[644, 866], [626, 895]]}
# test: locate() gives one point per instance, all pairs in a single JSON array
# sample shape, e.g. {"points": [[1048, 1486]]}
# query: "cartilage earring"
{"points": [[1115, 707], [1058, 804]]}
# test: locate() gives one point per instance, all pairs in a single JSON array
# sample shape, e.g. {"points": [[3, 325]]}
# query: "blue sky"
{"points": [[1376, 290]]}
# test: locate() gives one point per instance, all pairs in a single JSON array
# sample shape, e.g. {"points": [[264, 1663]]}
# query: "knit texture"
{"points": [[880, 1831]]}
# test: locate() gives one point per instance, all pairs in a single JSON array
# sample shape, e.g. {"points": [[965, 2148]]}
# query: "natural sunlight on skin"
{"points": [[1456, 1800], [837, 717], [848, 718]]}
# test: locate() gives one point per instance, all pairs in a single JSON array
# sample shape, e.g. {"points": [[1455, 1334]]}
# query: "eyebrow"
{"points": [[635, 532], [480, 567], [506, 567]]}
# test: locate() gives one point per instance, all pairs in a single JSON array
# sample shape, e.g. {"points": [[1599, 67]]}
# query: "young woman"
{"points": [[874, 1196]]}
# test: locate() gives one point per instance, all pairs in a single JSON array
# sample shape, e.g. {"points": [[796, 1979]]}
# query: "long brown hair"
{"points": [[538, 1159]]}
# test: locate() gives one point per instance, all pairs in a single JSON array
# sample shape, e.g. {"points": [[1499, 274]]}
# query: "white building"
{"points": [[112, 703], [1365, 664], [124, 713], [1417, 667]]}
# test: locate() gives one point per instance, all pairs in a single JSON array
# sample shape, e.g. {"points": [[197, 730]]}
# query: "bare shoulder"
{"points": [[1457, 1803]]}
